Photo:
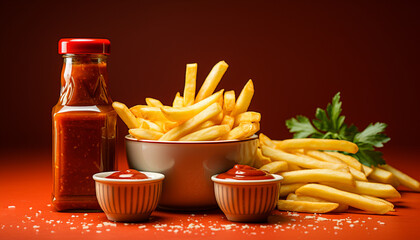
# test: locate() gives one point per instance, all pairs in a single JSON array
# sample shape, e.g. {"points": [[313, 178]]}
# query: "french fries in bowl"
{"points": [[195, 137], [209, 116]]}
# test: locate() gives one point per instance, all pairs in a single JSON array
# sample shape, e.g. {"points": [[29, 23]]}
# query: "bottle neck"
{"points": [[84, 80], [84, 58]]}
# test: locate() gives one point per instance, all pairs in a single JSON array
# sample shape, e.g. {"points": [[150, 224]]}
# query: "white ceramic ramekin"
{"points": [[128, 200], [247, 200]]}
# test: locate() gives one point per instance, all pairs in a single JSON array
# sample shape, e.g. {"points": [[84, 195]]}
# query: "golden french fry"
{"points": [[146, 124], [255, 127], [218, 118], [148, 134], [126, 115], [168, 125], [151, 102], [185, 113], [136, 110], [403, 178], [317, 175], [367, 188], [260, 160], [383, 176], [190, 82], [343, 197], [191, 124], [322, 156], [151, 125], [286, 189], [247, 117], [228, 120], [207, 134], [275, 167], [306, 206], [381, 200], [206, 124], [212, 81], [242, 131], [328, 165], [143, 124], [264, 140], [292, 196], [302, 161], [152, 113], [342, 208], [244, 99], [229, 102], [367, 170], [293, 167], [178, 101], [358, 175], [318, 144], [349, 160]]}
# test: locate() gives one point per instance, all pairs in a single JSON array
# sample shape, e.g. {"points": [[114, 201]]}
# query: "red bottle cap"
{"points": [[84, 46]]}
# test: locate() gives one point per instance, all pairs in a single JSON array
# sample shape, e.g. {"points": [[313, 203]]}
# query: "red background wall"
{"points": [[299, 54]]}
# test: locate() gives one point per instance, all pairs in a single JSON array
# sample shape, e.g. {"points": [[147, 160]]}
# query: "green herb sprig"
{"points": [[329, 124]]}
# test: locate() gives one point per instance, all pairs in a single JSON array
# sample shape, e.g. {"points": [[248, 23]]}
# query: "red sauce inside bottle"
{"points": [[244, 172], [128, 174], [84, 133]]}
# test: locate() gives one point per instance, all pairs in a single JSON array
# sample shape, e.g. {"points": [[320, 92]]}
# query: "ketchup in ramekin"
{"points": [[128, 174], [128, 196], [246, 194], [244, 172]]}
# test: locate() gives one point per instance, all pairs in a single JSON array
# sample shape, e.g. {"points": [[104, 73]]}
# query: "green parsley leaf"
{"points": [[372, 135], [329, 124], [369, 157], [301, 126]]}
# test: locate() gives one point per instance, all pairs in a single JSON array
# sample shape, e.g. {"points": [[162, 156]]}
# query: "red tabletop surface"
{"points": [[26, 213]]}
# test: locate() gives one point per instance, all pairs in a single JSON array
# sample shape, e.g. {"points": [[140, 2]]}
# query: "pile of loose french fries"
{"points": [[320, 179], [206, 116]]}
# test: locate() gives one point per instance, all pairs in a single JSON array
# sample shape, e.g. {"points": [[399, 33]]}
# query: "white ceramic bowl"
{"points": [[128, 200], [188, 167]]}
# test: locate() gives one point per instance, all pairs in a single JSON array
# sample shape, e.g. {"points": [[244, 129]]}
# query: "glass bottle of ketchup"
{"points": [[84, 124]]}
